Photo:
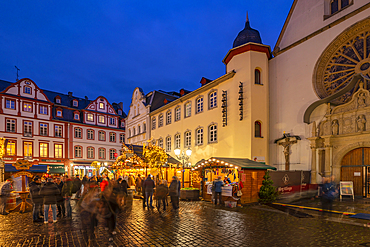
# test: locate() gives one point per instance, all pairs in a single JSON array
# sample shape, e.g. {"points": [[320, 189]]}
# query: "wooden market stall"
{"points": [[244, 174]]}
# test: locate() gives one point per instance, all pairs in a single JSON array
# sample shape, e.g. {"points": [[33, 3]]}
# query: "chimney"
{"points": [[86, 98], [120, 105], [70, 94], [165, 101], [182, 92]]}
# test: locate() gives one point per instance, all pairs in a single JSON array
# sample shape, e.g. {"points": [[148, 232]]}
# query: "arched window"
{"points": [[168, 117], [111, 154], [101, 153], [78, 152], [257, 129], [160, 120], [199, 136], [90, 152], [154, 123], [334, 6], [257, 77], [212, 133], [160, 143], [168, 144], [177, 113], [212, 100], [199, 103], [187, 139], [177, 141]]}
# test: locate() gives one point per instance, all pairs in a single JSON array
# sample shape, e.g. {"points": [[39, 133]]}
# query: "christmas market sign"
{"points": [[22, 165], [22, 173]]}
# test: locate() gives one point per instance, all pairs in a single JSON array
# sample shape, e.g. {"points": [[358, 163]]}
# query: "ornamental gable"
{"points": [[101, 104], [26, 88]]}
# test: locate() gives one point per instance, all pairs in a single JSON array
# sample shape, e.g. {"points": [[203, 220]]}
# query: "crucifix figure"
{"points": [[286, 144]]}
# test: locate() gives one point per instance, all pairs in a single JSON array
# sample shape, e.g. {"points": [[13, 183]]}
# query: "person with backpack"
{"points": [[174, 192], [149, 186]]}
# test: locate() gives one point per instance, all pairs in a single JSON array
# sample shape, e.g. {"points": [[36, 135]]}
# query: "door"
{"points": [[356, 167]]}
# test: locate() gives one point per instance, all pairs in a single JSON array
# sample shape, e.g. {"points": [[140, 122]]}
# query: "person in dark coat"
{"points": [[67, 194], [85, 179], [122, 191], [161, 194], [149, 186], [60, 199], [49, 192], [35, 187], [174, 192], [77, 186]]}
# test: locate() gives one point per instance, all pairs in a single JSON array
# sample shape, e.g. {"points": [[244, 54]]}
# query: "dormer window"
{"points": [[58, 100], [59, 113], [27, 90], [76, 116], [119, 112], [75, 103]]}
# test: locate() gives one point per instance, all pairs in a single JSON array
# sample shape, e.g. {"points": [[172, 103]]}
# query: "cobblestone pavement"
{"points": [[194, 224]]}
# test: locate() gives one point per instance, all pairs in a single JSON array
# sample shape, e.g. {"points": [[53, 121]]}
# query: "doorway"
{"points": [[355, 167]]}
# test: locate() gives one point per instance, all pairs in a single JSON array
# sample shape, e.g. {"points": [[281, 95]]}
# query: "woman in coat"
{"points": [[49, 192]]}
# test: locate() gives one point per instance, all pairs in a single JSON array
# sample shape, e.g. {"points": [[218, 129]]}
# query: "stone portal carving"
{"points": [[361, 123], [335, 127]]}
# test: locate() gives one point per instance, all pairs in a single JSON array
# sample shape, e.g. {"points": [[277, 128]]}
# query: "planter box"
{"points": [[189, 194]]}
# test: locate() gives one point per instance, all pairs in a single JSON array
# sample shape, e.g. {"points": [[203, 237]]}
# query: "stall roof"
{"points": [[34, 168], [138, 150], [241, 162]]}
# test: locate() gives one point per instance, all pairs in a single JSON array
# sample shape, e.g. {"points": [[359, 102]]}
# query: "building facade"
{"points": [[63, 132]]}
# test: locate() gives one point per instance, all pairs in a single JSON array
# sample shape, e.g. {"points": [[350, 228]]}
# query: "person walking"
{"points": [[161, 194], [122, 188], [217, 185], [138, 185], [67, 194], [328, 194], [77, 187], [49, 192], [174, 192], [149, 186], [60, 199], [103, 184], [36, 198], [5, 189]]}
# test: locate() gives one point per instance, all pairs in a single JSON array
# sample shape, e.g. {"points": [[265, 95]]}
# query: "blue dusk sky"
{"points": [[110, 47]]}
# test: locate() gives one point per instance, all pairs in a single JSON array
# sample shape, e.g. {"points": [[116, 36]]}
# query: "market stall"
{"points": [[243, 178]]}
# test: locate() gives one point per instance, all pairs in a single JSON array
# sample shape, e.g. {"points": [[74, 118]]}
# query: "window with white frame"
{"points": [[200, 105], [188, 109], [101, 105], [112, 121], [77, 116], [43, 129], [101, 136], [177, 140], [111, 154], [27, 107], [168, 144], [59, 113], [44, 150], [58, 100], [101, 153], [101, 119], [160, 120], [187, 139], [10, 104], [160, 142], [90, 134], [27, 90], [90, 152], [10, 125], [78, 152], [75, 103], [78, 133], [122, 138], [168, 117], [212, 133], [58, 151], [213, 99], [154, 123], [58, 131], [199, 137], [90, 117], [177, 113], [43, 110], [112, 137], [27, 128]]}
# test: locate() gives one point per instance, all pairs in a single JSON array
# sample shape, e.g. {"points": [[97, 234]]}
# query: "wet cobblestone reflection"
{"points": [[194, 224]]}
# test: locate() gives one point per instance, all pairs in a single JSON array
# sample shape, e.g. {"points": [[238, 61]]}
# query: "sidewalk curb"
{"points": [[314, 209]]}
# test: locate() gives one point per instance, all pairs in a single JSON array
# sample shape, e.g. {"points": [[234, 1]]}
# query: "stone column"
{"points": [[313, 164], [328, 160]]}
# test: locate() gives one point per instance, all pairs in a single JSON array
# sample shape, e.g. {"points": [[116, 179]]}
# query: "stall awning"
{"points": [[56, 169], [241, 162], [138, 150], [34, 168]]}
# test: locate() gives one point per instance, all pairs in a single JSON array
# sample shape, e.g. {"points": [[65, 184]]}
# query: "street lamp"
{"points": [[184, 157]]}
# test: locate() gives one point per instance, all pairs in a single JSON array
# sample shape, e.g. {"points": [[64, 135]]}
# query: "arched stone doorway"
{"points": [[355, 166]]}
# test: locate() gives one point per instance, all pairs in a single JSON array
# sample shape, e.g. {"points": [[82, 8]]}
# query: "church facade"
{"points": [[303, 106]]}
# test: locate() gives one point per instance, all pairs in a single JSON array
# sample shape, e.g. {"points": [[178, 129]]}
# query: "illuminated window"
{"points": [[10, 148], [43, 109], [101, 119], [27, 150], [10, 104], [90, 117], [101, 105], [58, 149], [27, 107], [43, 150]]}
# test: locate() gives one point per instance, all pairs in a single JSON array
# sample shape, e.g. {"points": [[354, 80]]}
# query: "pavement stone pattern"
{"points": [[194, 224]]}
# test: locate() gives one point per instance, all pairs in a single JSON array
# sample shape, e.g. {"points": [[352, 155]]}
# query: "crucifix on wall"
{"points": [[286, 141]]}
